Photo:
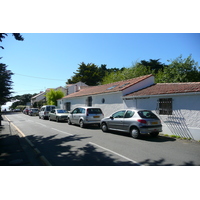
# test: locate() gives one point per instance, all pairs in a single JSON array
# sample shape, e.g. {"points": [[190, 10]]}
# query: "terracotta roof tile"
{"points": [[107, 88], [168, 88]]}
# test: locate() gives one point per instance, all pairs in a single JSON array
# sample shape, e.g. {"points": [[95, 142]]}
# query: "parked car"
{"points": [[58, 115], [26, 111], [33, 111], [85, 116], [44, 111], [136, 122]]}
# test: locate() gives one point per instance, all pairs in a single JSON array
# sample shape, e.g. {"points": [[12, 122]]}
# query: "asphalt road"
{"points": [[69, 145]]}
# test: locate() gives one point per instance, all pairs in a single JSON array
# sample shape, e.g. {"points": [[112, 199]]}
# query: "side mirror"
{"points": [[111, 117]]}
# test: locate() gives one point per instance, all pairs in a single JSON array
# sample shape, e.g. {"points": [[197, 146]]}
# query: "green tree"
{"points": [[5, 84], [180, 70], [134, 71], [91, 74], [53, 95], [88, 74], [5, 75]]}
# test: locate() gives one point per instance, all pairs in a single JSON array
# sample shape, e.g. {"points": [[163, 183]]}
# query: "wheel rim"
{"points": [[104, 127], [81, 124], [134, 133]]}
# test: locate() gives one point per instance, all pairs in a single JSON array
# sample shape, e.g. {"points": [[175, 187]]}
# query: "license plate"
{"points": [[95, 116], [154, 122]]}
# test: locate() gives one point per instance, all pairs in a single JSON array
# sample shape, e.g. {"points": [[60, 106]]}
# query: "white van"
{"points": [[44, 111]]}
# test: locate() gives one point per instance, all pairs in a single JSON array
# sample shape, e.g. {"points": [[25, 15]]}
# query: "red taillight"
{"points": [[142, 121]]}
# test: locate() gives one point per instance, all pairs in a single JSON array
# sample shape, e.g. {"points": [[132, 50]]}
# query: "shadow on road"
{"points": [[59, 153]]}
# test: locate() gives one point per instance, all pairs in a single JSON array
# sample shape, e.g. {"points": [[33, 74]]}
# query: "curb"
{"points": [[21, 134]]}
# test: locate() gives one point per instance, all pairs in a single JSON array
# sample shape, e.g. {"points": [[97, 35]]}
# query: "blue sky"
{"points": [[57, 55]]}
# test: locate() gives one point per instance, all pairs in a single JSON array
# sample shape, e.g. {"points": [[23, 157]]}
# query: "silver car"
{"points": [[85, 116], [58, 115], [135, 122]]}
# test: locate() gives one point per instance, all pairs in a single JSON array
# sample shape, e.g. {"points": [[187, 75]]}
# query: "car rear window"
{"points": [[147, 114], [94, 111]]}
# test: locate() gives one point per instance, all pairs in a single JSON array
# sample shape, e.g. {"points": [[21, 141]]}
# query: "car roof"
{"points": [[86, 107]]}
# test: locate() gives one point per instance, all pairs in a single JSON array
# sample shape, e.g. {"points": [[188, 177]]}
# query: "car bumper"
{"points": [[150, 129]]}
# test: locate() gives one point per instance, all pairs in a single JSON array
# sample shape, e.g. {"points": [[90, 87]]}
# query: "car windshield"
{"points": [[61, 111], [94, 111], [147, 114]]}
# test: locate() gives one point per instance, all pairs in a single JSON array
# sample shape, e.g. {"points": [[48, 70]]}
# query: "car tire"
{"points": [[69, 122], [154, 134], [104, 127], [81, 124], [49, 119], [57, 120], [135, 133]]}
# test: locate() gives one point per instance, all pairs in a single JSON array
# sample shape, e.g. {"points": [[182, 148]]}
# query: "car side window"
{"points": [[82, 110], [129, 114], [75, 111], [119, 114]]}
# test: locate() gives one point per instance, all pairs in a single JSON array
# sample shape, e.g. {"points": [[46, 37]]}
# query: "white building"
{"points": [[107, 97], [176, 104]]}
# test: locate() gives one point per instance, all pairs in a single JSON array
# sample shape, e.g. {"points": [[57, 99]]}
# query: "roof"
{"points": [[108, 88], [168, 88]]}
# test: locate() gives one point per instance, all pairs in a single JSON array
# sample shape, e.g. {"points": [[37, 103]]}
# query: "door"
{"points": [[117, 120]]}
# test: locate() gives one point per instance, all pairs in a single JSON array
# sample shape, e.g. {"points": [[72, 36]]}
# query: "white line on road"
{"points": [[62, 131], [115, 153], [40, 124]]}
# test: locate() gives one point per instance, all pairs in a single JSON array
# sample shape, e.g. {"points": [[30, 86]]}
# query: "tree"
{"points": [[153, 65], [180, 70], [5, 75], [90, 74], [5, 84], [136, 70], [53, 95]]}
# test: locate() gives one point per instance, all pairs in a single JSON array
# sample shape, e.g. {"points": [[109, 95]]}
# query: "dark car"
{"points": [[135, 122]]}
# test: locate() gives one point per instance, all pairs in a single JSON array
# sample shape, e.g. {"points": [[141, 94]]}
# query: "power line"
{"points": [[39, 77]]}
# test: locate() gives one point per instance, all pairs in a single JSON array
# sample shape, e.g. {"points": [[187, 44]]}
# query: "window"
{"points": [[119, 114], [110, 88], [129, 114], [89, 101], [165, 106], [68, 106]]}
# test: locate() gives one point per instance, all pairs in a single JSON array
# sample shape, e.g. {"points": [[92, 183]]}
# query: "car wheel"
{"points": [[82, 125], [135, 133], [39, 117], [57, 120], [104, 127], [154, 134], [69, 122], [49, 119]]}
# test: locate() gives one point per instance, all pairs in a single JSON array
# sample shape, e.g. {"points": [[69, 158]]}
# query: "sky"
{"points": [[47, 60]]}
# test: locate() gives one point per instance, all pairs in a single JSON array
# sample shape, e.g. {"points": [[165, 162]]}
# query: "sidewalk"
{"points": [[14, 150]]}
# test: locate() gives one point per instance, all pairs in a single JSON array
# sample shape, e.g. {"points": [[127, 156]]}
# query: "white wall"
{"points": [[113, 102], [185, 119]]}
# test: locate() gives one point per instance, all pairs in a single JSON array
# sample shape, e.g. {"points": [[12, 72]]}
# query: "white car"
{"points": [[135, 122], [58, 115], [44, 111], [85, 116]]}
